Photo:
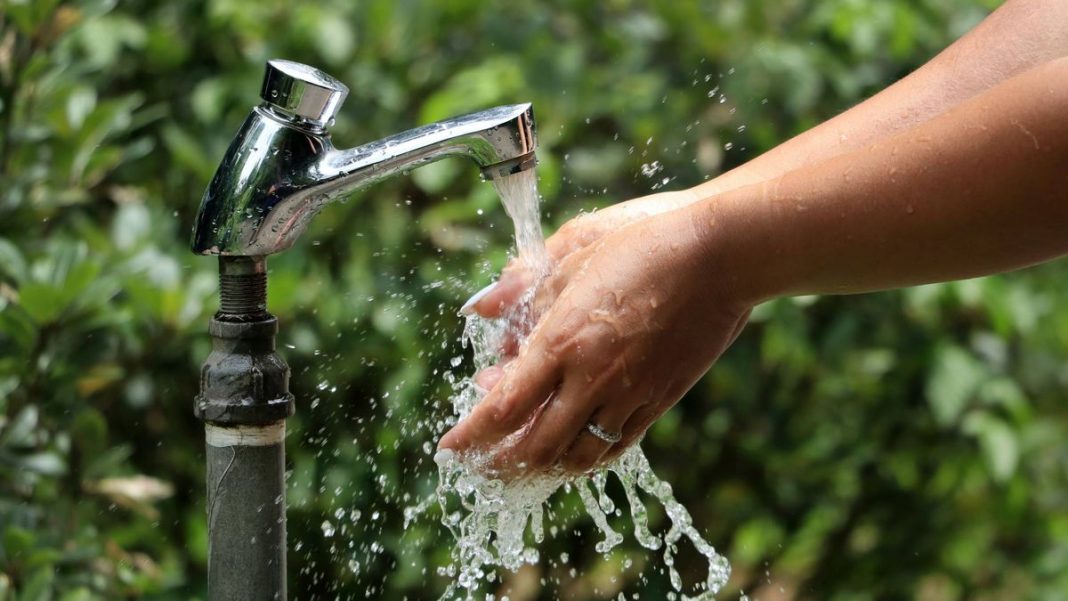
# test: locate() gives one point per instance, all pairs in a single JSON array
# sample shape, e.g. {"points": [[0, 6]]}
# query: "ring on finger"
{"points": [[601, 433]]}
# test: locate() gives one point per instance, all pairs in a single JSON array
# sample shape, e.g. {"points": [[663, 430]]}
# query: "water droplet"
{"points": [[651, 169]]}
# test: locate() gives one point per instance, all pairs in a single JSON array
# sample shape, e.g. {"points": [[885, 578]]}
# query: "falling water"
{"points": [[519, 195], [489, 517]]}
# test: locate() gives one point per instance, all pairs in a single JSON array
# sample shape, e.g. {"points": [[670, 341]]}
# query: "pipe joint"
{"points": [[244, 381]]}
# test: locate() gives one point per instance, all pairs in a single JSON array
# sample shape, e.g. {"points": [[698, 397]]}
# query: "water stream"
{"points": [[499, 524]]}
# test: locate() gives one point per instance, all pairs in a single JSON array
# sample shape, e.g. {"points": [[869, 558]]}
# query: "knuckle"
{"points": [[569, 334], [504, 413], [500, 411], [542, 458], [513, 268], [561, 340], [614, 453], [620, 447], [578, 462]]}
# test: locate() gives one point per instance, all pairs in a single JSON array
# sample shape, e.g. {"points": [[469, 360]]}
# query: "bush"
{"points": [[907, 444]]}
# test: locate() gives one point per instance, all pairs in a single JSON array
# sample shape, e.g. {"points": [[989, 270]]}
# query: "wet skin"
{"points": [[634, 314]]}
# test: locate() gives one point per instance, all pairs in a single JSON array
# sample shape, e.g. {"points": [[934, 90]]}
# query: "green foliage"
{"points": [[908, 444]]}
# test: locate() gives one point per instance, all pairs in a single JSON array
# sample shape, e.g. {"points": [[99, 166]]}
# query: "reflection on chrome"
{"points": [[282, 167]]}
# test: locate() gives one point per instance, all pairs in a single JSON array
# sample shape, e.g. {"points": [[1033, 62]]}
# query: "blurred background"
{"points": [[905, 445]]}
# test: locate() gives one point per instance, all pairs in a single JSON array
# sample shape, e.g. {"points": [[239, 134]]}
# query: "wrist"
{"points": [[663, 202], [741, 234]]}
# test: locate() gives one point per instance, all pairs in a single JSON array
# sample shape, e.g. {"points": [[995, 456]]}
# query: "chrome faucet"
{"points": [[282, 168]]}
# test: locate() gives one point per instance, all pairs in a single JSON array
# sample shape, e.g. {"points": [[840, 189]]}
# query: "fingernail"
{"points": [[447, 442], [469, 306]]}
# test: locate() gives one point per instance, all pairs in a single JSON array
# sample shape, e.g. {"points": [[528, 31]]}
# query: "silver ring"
{"points": [[599, 432]]}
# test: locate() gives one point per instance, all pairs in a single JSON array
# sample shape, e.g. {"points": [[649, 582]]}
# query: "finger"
{"points": [[633, 430], [587, 450], [486, 379], [511, 340], [552, 432], [581, 231], [469, 305], [569, 238], [559, 246], [550, 288], [494, 300], [524, 386]]}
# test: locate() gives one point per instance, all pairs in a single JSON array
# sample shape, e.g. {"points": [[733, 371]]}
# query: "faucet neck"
{"points": [[282, 167]]}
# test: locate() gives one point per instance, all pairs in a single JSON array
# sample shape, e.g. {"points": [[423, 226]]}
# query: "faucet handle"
{"points": [[303, 92]]}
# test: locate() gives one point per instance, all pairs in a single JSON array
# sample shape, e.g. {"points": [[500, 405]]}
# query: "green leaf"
{"points": [[17, 325], [207, 99], [79, 279], [1001, 449], [47, 463], [29, 15], [79, 105], [20, 432], [108, 119], [335, 39], [435, 177], [107, 463], [78, 594], [18, 541], [484, 85], [954, 380], [12, 264], [89, 431], [756, 539], [39, 585], [42, 302], [105, 37], [132, 223], [188, 152]]}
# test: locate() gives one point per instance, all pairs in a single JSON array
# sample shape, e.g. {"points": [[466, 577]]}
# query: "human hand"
{"points": [[637, 317], [575, 235]]}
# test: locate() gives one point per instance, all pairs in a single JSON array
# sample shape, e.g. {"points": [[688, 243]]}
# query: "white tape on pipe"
{"points": [[245, 436]]}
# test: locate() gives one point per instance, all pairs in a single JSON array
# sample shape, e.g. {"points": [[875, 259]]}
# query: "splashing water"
{"points": [[490, 517]]}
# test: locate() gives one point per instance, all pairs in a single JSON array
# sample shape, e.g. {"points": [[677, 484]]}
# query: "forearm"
{"points": [[978, 190], [1018, 36]]}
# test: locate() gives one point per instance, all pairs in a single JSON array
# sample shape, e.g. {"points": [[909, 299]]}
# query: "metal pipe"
{"points": [[244, 400], [246, 513], [279, 171]]}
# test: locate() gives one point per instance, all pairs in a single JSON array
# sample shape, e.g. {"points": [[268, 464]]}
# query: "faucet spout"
{"points": [[282, 167]]}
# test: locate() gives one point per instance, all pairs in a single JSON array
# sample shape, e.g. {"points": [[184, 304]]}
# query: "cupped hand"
{"points": [[575, 235], [637, 317]]}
